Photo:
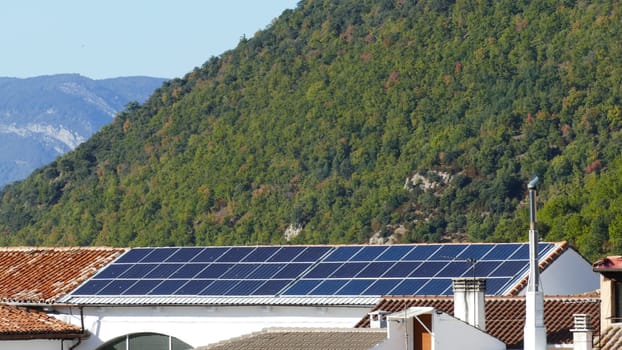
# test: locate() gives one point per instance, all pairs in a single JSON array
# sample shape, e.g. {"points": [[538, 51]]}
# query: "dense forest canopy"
{"points": [[416, 120]]}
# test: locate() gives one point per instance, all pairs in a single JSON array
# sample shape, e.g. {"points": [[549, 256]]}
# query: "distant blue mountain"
{"points": [[44, 117]]}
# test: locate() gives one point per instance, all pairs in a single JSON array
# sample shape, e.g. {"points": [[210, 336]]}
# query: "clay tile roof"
{"points": [[18, 323], [304, 339], [611, 339], [505, 316], [42, 275]]}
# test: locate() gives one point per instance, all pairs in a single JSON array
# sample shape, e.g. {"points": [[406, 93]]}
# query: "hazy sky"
{"points": [[112, 38]]}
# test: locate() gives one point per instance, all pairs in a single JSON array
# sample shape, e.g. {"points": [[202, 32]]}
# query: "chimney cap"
{"points": [[469, 284]]}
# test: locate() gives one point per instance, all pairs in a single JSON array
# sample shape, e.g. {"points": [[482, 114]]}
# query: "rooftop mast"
{"points": [[535, 330]]}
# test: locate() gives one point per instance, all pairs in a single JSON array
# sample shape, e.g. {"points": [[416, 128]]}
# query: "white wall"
{"points": [[451, 333], [570, 273], [203, 325], [35, 344]]}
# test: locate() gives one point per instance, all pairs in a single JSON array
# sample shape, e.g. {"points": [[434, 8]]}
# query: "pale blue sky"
{"points": [[112, 38]]}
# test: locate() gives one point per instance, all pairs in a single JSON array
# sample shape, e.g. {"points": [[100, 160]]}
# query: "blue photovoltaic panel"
{"points": [[455, 269], [509, 268], [235, 254], [292, 270], [448, 252], [428, 269], [239, 271], [343, 253], [349, 270], [189, 271], [476, 252], [356, 287], [495, 285], [422, 252], [133, 255], [286, 254], [112, 271], [521, 254], [167, 287], [484, 268], [311, 270], [369, 253], [402, 269], [246, 287], [328, 287], [302, 287], [311, 254], [271, 287], [209, 254], [92, 287], [260, 254], [266, 271], [142, 287], [382, 287], [436, 286], [116, 287], [408, 286], [219, 287], [138, 271], [375, 269], [193, 287], [502, 251], [323, 270], [159, 255], [163, 271], [214, 271], [394, 253], [184, 254]]}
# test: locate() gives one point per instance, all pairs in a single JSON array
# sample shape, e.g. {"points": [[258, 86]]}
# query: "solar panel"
{"points": [[448, 252], [209, 254], [408, 286], [368, 253], [343, 253], [394, 253], [185, 254], [422, 252], [418, 269], [142, 287], [328, 287], [159, 255]]}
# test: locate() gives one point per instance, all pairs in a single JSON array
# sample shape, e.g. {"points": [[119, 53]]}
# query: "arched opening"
{"points": [[152, 341]]}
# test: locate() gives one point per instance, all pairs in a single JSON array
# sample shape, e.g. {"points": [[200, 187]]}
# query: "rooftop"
{"points": [[19, 323], [43, 275], [304, 339], [309, 274], [505, 316]]}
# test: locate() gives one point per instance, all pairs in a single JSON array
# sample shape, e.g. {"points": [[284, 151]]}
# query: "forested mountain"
{"points": [[345, 120], [46, 116]]}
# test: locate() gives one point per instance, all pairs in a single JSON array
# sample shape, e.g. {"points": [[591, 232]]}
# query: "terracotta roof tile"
{"points": [[22, 323], [42, 275], [304, 339], [505, 316], [611, 339]]}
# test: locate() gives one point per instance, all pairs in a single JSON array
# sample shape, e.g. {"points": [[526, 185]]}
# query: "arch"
{"points": [[152, 341]]}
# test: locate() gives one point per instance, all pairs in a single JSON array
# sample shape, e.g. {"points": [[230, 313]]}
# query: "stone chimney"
{"points": [[378, 319], [582, 332], [469, 301]]}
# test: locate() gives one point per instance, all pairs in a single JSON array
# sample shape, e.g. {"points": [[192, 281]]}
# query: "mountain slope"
{"points": [[44, 117], [418, 121]]}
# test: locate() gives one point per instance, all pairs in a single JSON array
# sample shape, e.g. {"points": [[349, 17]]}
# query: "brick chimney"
{"points": [[469, 301]]}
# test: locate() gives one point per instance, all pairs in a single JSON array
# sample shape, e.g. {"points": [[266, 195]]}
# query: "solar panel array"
{"points": [[424, 269]]}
